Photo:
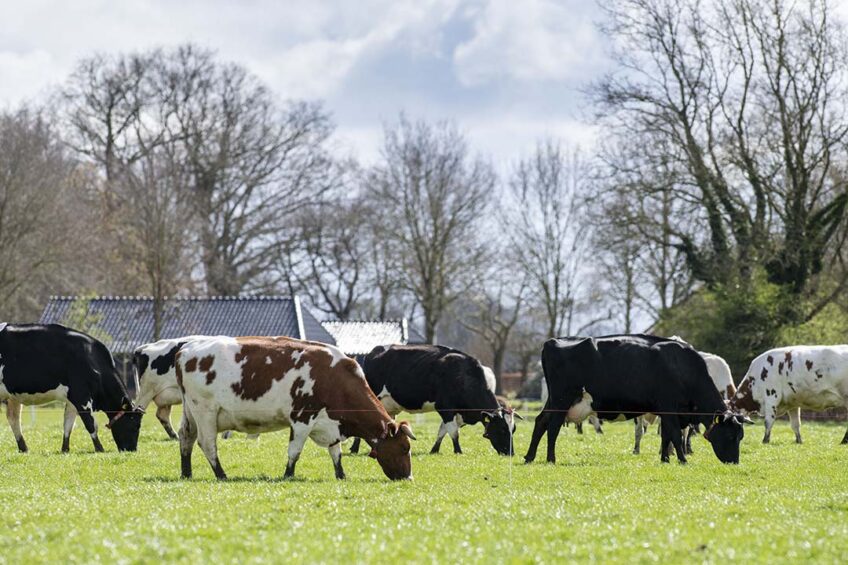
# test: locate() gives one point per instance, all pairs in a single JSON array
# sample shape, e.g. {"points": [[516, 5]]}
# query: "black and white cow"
{"points": [[627, 376], [787, 379], [40, 364], [426, 378]]}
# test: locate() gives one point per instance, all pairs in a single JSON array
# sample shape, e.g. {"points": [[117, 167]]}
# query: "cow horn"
{"points": [[489, 414], [404, 427], [743, 419], [517, 415]]}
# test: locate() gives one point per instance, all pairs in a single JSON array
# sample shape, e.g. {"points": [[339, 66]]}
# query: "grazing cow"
{"points": [[40, 364], [788, 379], [627, 376], [426, 378], [719, 372], [157, 380], [264, 384]]}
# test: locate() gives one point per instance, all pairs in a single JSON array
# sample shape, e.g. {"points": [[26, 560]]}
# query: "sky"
{"points": [[508, 72]]}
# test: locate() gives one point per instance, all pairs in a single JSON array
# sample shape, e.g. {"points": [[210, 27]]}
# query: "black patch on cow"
{"points": [[165, 363], [780, 368], [809, 365], [788, 359], [764, 374], [140, 360], [818, 374], [770, 360]]}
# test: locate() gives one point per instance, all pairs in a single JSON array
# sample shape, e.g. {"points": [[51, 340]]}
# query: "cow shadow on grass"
{"points": [[260, 479]]}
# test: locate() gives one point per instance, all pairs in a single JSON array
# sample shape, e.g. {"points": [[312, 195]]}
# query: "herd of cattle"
{"points": [[264, 384]]}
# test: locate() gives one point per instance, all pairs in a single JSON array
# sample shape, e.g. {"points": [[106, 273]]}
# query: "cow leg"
{"points": [[70, 420], [690, 431], [298, 439], [443, 430], [13, 414], [163, 414], [596, 422], [539, 427], [770, 414], [579, 427], [795, 422], [87, 416], [187, 436], [207, 438], [673, 433], [554, 425], [639, 428], [336, 455], [453, 430], [354, 448]]}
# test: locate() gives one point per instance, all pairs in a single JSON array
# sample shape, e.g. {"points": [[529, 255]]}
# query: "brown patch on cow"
{"points": [[210, 376], [191, 365], [809, 365], [179, 371], [730, 391], [206, 363], [764, 374], [770, 360], [780, 368], [788, 359], [341, 389], [744, 397]]}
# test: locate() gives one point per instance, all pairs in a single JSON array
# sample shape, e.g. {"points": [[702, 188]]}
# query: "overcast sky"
{"points": [[509, 72]]}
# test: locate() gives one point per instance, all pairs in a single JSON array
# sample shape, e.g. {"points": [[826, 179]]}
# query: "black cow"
{"points": [[423, 378], [40, 364], [630, 375]]}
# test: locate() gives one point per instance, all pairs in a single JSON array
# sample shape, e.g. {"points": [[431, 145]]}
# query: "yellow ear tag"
{"points": [[716, 420]]}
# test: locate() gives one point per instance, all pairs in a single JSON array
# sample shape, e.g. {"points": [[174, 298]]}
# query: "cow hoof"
{"points": [[766, 440], [185, 476], [799, 440], [636, 451], [664, 460], [22, 446]]}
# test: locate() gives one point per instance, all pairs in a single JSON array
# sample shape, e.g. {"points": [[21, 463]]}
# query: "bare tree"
{"points": [[157, 215], [37, 211], [334, 255], [495, 315], [251, 164], [547, 230], [432, 198]]}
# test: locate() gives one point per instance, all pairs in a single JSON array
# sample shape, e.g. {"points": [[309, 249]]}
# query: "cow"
{"points": [[787, 379], [47, 363], [426, 378], [630, 375], [719, 372], [154, 365], [264, 384]]}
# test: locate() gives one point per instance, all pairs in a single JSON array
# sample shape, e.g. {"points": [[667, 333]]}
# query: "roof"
{"points": [[358, 337], [128, 320]]}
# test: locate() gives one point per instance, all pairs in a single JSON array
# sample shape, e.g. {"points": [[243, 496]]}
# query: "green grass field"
{"points": [[784, 502]]}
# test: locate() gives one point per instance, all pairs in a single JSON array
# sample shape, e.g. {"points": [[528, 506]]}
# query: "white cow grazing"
{"points": [[787, 379]]}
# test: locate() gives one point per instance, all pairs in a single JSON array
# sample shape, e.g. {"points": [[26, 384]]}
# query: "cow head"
{"points": [[725, 433], [499, 427], [125, 426], [392, 451]]}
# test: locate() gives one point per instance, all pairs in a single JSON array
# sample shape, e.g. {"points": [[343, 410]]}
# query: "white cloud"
{"points": [[531, 40]]}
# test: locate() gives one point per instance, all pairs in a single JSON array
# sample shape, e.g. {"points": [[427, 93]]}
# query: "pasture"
{"points": [[783, 502]]}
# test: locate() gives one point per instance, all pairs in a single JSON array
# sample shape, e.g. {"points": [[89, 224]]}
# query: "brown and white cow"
{"points": [[264, 384], [787, 379]]}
